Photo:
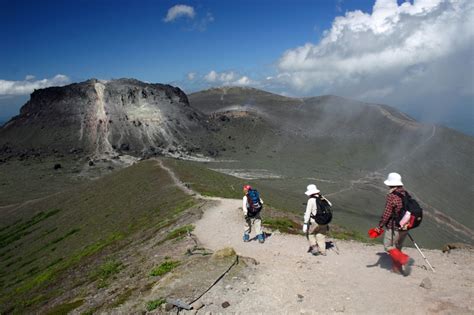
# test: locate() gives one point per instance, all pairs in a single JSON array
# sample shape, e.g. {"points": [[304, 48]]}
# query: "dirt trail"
{"points": [[335, 283], [288, 280]]}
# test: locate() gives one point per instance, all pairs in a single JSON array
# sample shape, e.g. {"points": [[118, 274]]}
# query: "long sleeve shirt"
{"points": [[393, 204], [311, 210]]}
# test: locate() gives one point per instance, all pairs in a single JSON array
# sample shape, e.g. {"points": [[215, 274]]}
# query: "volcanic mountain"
{"points": [[347, 148], [101, 118]]}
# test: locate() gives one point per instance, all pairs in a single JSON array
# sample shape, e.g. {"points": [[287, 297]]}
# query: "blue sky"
{"points": [[416, 56]]}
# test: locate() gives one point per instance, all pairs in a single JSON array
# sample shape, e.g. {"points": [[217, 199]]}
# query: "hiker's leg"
{"points": [[321, 238], [311, 235], [257, 225], [401, 238], [388, 243], [247, 226]]}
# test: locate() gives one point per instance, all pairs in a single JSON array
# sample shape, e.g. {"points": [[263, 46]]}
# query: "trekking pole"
{"points": [[419, 250]]}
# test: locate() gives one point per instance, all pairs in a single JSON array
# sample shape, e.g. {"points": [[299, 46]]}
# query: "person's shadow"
{"points": [[384, 261], [266, 235]]}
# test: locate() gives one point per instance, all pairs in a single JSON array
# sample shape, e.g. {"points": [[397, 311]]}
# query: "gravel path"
{"points": [[287, 280]]}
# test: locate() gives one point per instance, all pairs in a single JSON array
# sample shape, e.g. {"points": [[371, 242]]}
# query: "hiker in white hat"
{"points": [[315, 232], [393, 237]]}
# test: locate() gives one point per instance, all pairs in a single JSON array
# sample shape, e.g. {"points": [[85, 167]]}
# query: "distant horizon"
{"points": [[464, 126]]}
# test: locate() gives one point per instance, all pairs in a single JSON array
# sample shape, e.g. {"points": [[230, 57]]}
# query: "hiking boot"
{"points": [[406, 269], [396, 270], [246, 237], [261, 238]]}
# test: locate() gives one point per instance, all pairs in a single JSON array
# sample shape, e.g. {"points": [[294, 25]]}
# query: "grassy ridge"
{"points": [[47, 238]]}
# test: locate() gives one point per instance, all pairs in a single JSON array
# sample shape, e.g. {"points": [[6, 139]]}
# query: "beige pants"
{"points": [[398, 239], [255, 223], [317, 235]]}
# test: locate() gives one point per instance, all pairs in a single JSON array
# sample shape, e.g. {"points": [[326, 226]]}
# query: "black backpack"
{"points": [[323, 214], [254, 204], [410, 204]]}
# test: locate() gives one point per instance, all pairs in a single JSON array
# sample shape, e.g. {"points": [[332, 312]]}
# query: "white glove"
{"points": [[305, 228]]}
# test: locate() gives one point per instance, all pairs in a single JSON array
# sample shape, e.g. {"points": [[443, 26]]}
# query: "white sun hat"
{"points": [[393, 179], [311, 190]]}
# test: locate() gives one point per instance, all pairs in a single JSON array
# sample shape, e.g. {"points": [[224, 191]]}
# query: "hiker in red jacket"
{"points": [[393, 237]]}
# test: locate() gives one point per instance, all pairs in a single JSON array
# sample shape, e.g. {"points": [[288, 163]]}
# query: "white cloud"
{"points": [[179, 10], [243, 81], [227, 78], [211, 76], [398, 53], [28, 85], [191, 76]]}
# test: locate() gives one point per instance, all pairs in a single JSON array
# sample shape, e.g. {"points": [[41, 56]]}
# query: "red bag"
{"points": [[374, 234]]}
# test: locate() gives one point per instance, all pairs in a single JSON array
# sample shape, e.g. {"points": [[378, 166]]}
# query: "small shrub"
{"points": [[164, 268], [105, 271], [151, 305], [284, 225], [179, 232], [122, 298]]}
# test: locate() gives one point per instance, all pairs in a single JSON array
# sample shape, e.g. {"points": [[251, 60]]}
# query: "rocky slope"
{"points": [[103, 118]]}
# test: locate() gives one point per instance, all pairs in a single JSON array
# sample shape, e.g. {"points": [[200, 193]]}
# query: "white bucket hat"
{"points": [[393, 179], [311, 190]]}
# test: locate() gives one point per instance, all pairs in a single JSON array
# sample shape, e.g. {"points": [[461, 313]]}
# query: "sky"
{"points": [[417, 56]]}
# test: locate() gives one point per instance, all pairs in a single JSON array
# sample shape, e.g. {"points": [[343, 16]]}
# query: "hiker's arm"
{"points": [[387, 212], [309, 208], [244, 205]]}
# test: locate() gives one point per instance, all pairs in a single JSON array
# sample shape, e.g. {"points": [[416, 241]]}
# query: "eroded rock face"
{"points": [[102, 118]]}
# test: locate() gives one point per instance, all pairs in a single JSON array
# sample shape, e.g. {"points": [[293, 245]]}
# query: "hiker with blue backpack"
{"points": [[316, 219], [252, 205]]}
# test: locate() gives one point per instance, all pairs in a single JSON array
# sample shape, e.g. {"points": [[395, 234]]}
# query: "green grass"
{"points": [[348, 235], [106, 271], [284, 225], [50, 273], [88, 218], [65, 308], [16, 231], [152, 305], [164, 268], [205, 181]]}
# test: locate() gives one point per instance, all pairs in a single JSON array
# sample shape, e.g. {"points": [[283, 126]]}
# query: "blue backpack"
{"points": [[254, 204]]}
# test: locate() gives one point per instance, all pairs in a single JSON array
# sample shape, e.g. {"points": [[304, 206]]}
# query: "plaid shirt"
{"points": [[393, 203]]}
